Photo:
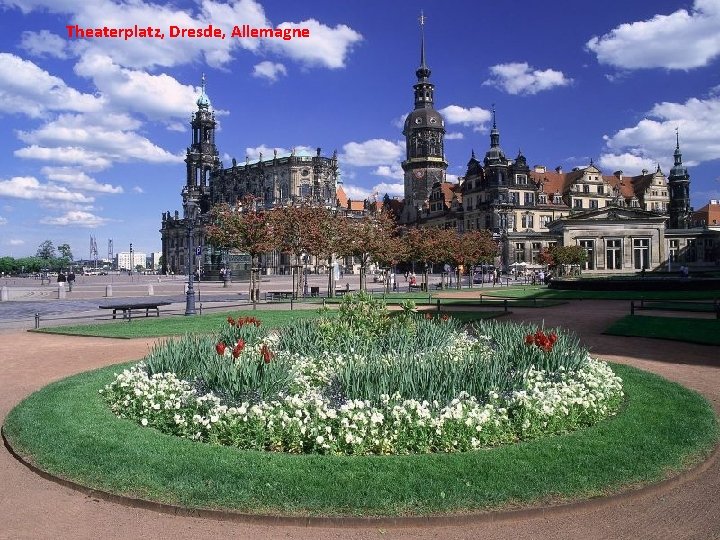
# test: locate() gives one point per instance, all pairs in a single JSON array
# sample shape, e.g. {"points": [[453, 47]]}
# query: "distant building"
{"points": [[153, 260], [123, 262]]}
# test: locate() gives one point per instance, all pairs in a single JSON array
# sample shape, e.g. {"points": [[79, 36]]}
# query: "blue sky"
{"points": [[94, 131]]}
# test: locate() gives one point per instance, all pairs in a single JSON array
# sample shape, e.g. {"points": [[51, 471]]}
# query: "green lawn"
{"points": [[541, 292], [67, 430], [691, 330], [179, 325]]}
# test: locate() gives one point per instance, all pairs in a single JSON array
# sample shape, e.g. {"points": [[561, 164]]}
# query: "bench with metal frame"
{"points": [[127, 308]]}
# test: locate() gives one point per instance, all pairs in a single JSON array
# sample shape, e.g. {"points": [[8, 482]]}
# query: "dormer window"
{"points": [[520, 179], [542, 199]]}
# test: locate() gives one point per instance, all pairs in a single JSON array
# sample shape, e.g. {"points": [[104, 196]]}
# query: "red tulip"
{"points": [[220, 348], [238, 348], [231, 321], [266, 353]]}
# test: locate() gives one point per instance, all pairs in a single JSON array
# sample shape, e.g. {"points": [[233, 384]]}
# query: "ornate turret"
{"points": [[424, 132], [679, 187], [202, 156]]}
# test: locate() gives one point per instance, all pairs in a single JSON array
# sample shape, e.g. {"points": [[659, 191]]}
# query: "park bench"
{"points": [[278, 295], [341, 292], [127, 308]]}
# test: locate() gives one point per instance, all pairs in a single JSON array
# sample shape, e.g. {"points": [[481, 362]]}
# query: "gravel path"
{"points": [[31, 507]]}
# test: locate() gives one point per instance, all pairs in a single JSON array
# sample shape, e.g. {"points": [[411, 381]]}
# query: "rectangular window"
{"points": [[545, 220], [521, 179], [577, 203], [557, 199], [589, 247], [519, 251], [593, 203], [691, 251], [586, 189], [528, 221], [529, 198], [542, 199], [641, 253], [613, 254], [535, 252], [674, 249], [601, 190], [514, 197]]}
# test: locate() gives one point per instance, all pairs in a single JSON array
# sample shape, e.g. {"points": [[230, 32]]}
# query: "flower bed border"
{"points": [[351, 486]]}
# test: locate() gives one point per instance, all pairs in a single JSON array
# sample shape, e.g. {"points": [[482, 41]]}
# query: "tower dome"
{"points": [[203, 102]]}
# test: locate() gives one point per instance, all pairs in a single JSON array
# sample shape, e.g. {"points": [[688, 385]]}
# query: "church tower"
{"points": [[202, 155], [679, 187], [424, 133]]}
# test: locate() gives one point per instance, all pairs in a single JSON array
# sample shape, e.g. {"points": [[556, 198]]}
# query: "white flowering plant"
{"points": [[390, 388]]}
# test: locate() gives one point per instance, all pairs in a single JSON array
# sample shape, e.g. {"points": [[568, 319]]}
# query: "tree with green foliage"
{"points": [[46, 250], [246, 228], [562, 256]]}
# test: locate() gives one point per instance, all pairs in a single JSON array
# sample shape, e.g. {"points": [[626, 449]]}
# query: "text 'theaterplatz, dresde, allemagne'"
{"points": [[208, 31]]}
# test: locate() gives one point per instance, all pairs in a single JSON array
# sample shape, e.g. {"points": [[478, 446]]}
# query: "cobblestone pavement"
{"points": [[32, 508]]}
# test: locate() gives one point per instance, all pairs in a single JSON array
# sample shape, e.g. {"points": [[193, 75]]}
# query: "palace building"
{"points": [[626, 223]]}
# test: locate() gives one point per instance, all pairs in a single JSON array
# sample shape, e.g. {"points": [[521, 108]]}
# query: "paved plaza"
{"points": [[687, 507]]}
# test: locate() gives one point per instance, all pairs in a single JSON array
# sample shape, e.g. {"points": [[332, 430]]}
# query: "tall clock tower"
{"points": [[424, 132]]}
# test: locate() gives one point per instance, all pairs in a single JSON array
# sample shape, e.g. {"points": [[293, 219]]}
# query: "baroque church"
{"points": [[625, 223], [299, 177]]}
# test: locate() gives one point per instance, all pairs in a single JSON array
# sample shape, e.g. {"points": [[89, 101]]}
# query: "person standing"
{"points": [[71, 280]]}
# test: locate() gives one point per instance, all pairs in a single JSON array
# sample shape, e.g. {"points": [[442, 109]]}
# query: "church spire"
{"points": [[423, 72], [494, 133]]}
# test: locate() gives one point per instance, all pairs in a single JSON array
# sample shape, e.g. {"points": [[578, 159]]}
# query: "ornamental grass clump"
{"points": [[364, 383]]}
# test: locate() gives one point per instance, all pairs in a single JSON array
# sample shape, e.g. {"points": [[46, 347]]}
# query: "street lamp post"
{"points": [[190, 209]]}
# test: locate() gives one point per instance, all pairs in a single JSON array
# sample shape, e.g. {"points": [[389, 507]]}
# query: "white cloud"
{"points": [[390, 189], [372, 152], [356, 193], [78, 179], [76, 218], [269, 70], [474, 117], [520, 78], [28, 89], [3, 221], [68, 154], [253, 154], [16, 242], [138, 189], [326, 46], [400, 121], [44, 44], [93, 139], [456, 135], [156, 96], [630, 164], [391, 171], [28, 187], [652, 139], [682, 40]]}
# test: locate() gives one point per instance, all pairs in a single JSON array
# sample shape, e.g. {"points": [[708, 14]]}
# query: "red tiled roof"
{"points": [[341, 197]]}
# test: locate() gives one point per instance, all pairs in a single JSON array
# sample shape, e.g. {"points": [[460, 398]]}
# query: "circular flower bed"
{"points": [[364, 383]]}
